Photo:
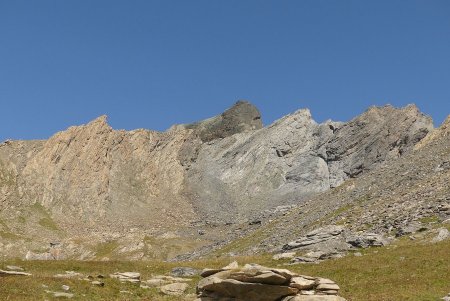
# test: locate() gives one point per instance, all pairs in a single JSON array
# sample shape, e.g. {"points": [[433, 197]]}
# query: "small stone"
{"points": [[302, 283], [69, 274], [232, 266], [287, 255], [132, 277], [14, 268], [327, 287], [62, 295], [443, 234], [174, 289], [98, 283], [302, 259], [13, 273], [446, 298], [65, 288]]}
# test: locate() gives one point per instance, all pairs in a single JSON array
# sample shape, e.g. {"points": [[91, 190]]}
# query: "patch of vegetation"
{"points": [[7, 177], [246, 242], [3, 225], [48, 223], [429, 219], [9, 235], [106, 249], [166, 248]]}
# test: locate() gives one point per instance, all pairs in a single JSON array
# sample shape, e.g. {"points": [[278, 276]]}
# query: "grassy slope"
{"points": [[404, 271]]}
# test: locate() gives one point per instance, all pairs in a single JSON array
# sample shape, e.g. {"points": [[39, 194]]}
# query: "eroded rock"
{"points": [[258, 283]]}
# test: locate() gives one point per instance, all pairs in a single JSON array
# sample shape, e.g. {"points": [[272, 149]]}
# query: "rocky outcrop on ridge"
{"points": [[93, 188], [240, 118]]}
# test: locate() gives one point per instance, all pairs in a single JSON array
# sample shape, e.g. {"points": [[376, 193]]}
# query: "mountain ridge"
{"points": [[96, 184]]}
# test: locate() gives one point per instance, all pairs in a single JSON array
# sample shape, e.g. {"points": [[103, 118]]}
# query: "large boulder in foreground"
{"points": [[257, 283]]}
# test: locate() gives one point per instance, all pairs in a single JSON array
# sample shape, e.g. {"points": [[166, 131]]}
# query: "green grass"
{"points": [[410, 271], [106, 249], [46, 220], [429, 219], [246, 242], [7, 177], [9, 235], [48, 223]]}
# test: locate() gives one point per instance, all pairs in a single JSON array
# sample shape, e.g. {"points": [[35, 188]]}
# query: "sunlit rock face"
{"points": [[94, 183]]}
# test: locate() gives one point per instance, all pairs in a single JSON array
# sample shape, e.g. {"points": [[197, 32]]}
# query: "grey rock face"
{"points": [[321, 235], [379, 134], [295, 158], [367, 240]]}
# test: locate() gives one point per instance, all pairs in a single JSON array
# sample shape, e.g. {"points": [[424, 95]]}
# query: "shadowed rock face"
{"points": [[93, 181], [242, 117]]}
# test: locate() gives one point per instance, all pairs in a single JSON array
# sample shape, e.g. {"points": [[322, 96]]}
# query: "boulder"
{"points": [[246, 291], [258, 283], [443, 234], [367, 240], [132, 277], [314, 237], [184, 272]]}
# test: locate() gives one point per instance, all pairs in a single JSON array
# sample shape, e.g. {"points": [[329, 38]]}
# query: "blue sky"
{"points": [[150, 64]]}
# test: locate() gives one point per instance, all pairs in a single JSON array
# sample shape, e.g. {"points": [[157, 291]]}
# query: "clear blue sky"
{"points": [[150, 64]]}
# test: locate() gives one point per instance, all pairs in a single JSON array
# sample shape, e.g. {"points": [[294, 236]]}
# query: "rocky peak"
{"points": [[442, 131], [445, 126], [241, 117], [98, 125]]}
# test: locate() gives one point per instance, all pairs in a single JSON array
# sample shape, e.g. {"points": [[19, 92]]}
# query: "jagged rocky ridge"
{"points": [[406, 197], [135, 192]]}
